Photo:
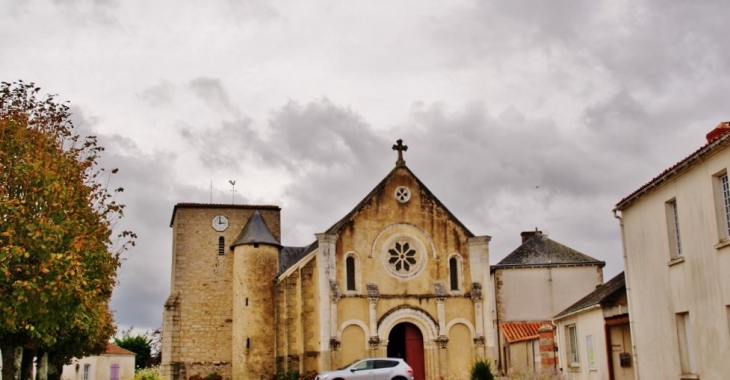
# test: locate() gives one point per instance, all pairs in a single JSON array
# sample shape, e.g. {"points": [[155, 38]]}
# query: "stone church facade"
{"points": [[399, 275]]}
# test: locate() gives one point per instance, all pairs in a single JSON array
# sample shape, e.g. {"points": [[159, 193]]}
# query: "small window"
{"points": [[87, 370], [454, 273], [686, 351], [248, 343], [572, 336], [722, 201], [675, 243], [350, 264], [221, 245]]}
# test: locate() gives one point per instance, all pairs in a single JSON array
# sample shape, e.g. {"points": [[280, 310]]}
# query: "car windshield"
{"points": [[348, 364]]}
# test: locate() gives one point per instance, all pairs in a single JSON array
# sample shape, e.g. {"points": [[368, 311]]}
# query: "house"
{"points": [[676, 236], [532, 284], [115, 363], [593, 335], [399, 275]]}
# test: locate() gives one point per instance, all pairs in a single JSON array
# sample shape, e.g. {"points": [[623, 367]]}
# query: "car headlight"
{"points": [[322, 377]]}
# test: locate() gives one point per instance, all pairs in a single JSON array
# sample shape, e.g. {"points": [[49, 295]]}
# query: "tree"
{"points": [[139, 344], [58, 255]]}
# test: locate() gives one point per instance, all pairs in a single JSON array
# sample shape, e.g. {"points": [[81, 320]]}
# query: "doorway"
{"points": [[406, 341]]}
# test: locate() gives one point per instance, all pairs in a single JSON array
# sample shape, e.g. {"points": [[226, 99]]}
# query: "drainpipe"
{"points": [[628, 296]]}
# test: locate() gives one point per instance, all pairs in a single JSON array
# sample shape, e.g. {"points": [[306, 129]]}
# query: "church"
{"points": [[398, 276]]}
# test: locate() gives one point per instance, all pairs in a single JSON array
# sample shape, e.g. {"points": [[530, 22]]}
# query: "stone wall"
{"points": [[200, 319]]}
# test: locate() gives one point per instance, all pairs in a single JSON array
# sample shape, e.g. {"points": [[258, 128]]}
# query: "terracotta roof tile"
{"points": [[113, 349], [517, 332]]}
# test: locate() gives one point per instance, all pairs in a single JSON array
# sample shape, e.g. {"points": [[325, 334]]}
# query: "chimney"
{"points": [[718, 132], [528, 234]]}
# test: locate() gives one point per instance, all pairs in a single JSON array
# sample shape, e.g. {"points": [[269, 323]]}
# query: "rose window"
{"points": [[402, 194], [402, 257]]}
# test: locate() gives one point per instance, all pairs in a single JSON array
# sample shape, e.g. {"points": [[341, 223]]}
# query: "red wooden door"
{"points": [[414, 351]]}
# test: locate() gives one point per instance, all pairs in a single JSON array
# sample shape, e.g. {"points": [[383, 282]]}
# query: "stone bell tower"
{"points": [[255, 265]]}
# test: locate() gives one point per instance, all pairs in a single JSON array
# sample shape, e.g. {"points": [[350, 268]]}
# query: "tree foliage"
{"points": [[58, 255], [140, 345]]}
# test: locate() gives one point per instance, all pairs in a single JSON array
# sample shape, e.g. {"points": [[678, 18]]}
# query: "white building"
{"points": [[115, 363], [593, 335], [533, 283], [676, 235]]}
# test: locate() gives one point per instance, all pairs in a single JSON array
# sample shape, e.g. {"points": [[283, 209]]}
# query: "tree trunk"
{"points": [[41, 371], [54, 371], [8, 352], [26, 364]]}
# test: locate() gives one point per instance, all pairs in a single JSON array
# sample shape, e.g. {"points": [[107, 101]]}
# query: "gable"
{"points": [[378, 194], [380, 208]]}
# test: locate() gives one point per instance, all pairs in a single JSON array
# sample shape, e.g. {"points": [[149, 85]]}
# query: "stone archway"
{"points": [[415, 330], [406, 341]]}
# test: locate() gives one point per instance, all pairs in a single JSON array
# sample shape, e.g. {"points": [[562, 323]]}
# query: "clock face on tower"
{"points": [[220, 223]]}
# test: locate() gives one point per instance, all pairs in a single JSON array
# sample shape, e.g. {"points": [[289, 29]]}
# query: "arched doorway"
{"points": [[406, 341]]}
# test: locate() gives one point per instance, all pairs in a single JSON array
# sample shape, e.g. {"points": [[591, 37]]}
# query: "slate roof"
{"points": [[517, 332], [718, 139], [113, 349], [539, 250], [597, 297], [289, 256], [256, 232]]}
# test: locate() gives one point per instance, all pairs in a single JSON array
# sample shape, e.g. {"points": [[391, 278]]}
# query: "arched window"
{"points": [[221, 245], [454, 273], [350, 268]]}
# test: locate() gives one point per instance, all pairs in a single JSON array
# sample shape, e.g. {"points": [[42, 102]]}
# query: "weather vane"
{"points": [[233, 191]]}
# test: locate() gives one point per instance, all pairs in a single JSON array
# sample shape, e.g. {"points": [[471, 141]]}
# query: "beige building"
{"points": [[399, 275], [115, 363], [593, 335], [532, 284], [676, 233]]}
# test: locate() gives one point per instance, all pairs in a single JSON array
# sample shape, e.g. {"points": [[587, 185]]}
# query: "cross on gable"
{"points": [[400, 148]]}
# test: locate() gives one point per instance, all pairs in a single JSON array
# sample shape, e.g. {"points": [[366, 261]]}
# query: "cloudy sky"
{"points": [[517, 114]]}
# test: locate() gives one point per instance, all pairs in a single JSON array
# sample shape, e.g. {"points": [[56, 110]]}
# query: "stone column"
{"points": [[325, 277], [334, 342], [479, 270], [479, 340], [548, 360], [374, 339], [441, 343]]}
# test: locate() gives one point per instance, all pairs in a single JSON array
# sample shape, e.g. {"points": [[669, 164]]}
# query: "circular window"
{"points": [[402, 194], [404, 256]]}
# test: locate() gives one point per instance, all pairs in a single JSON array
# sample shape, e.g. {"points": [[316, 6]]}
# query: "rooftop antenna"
{"points": [[233, 191]]}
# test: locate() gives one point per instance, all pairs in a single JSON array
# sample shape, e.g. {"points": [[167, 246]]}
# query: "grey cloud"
{"points": [[227, 146], [322, 134], [211, 91], [161, 94], [90, 13], [151, 191]]}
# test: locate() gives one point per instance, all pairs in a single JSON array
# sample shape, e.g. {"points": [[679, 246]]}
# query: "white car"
{"points": [[371, 369]]}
